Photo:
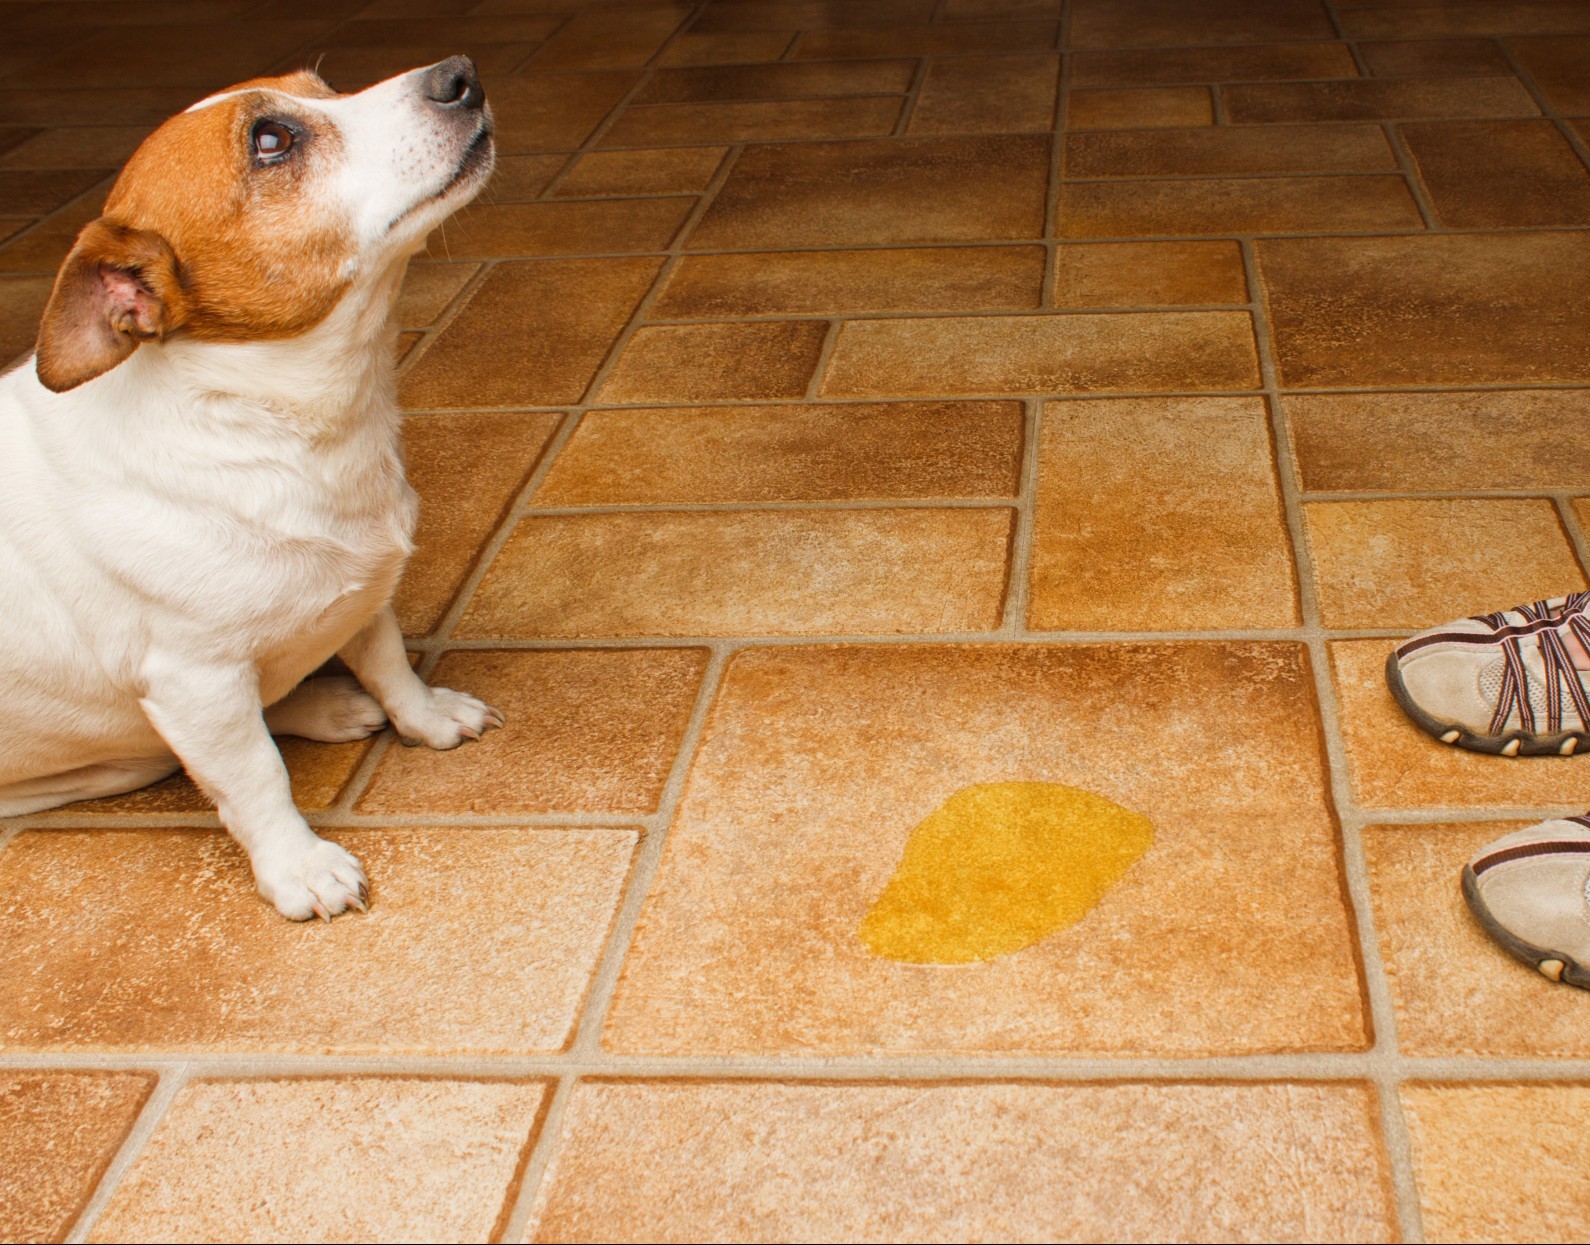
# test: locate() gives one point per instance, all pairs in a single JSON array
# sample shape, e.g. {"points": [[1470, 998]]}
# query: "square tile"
{"points": [[1500, 174], [986, 95], [1434, 58], [753, 121], [879, 451], [1254, 63], [746, 573], [592, 731], [946, 39], [667, 171], [1230, 151], [1210, 552], [716, 362], [1418, 563], [1149, 274], [816, 764], [1236, 205], [1560, 68], [1377, 99], [659, 1160], [202, 963], [1456, 993], [787, 81], [1139, 108], [387, 1158], [1147, 23], [587, 227]]}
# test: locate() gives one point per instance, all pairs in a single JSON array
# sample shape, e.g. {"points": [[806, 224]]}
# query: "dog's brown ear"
{"points": [[117, 288]]}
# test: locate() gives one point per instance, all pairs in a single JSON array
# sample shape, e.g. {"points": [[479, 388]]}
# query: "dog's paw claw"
{"points": [[320, 880], [450, 719]]}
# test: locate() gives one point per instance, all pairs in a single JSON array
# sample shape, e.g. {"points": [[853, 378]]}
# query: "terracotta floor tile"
{"points": [[1500, 174], [1211, 552], [518, 178], [1236, 205], [42, 248], [12, 136], [1441, 442], [661, 1161], [533, 334], [1135, 108], [1434, 58], [1454, 990], [463, 32], [987, 95], [530, 230], [1452, 310], [588, 732], [1148, 274], [1418, 563], [947, 39], [22, 302], [1149, 23], [1230, 151], [1500, 1162], [894, 191], [793, 819], [58, 1134], [809, 14], [822, 572], [386, 1158], [78, 147], [554, 111], [202, 963], [202, 56], [128, 105], [785, 81], [353, 69], [427, 291], [754, 121], [716, 362], [1488, 17], [1396, 765], [1261, 63], [727, 47], [951, 278], [405, 345], [1560, 68], [1165, 350], [1378, 99], [981, 10], [666, 171], [595, 40], [466, 469], [884, 451]]}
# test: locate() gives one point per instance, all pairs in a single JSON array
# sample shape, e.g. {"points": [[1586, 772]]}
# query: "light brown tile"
{"points": [[594, 40], [1211, 552], [896, 191], [716, 362], [427, 291], [667, 171], [1236, 205], [654, 1161], [1377, 99], [199, 56], [1441, 442], [1500, 174], [554, 111], [590, 227], [22, 301], [1394, 764], [79, 147], [1148, 274], [1560, 68], [202, 963], [1133, 108], [1438, 310], [518, 178], [818, 761], [958, 278], [947, 39], [749, 573], [813, 14], [754, 121], [1231, 151], [467, 469], [1417, 563], [533, 334], [1151, 23], [987, 95], [883, 451], [727, 47], [370, 1158], [588, 732], [1434, 58], [791, 80], [1165, 350], [405, 344], [1500, 1162], [1454, 990], [1487, 17], [1258, 63], [58, 1134]]}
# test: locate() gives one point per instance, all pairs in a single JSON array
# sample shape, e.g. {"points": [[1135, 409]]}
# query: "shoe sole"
{"points": [[1528, 743], [1554, 965]]}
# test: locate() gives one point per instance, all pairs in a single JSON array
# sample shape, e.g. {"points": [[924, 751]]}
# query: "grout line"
{"points": [[825, 354], [1574, 532], [740, 507], [549, 1130], [913, 96], [1410, 172], [1056, 175], [1020, 560], [1580, 147], [172, 1079]]}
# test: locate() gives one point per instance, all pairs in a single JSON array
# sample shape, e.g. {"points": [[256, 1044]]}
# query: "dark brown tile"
{"points": [[812, 14], [754, 121], [201, 57], [1560, 68], [984, 10], [42, 248], [1149, 274], [727, 47], [461, 32], [1124, 209], [1500, 174], [896, 191], [595, 40], [22, 302], [354, 69], [957, 39], [1230, 151], [1378, 99], [518, 178], [427, 291], [716, 362], [987, 95], [1278, 62], [1158, 23], [1434, 58], [1487, 17], [593, 227], [554, 111], [787, 81], [130, 105], [664, 171], [533, 334], [78, 147], [1136, 108]]}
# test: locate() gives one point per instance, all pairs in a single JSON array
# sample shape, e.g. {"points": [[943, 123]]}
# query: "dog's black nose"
{"points": [[455, 84]]}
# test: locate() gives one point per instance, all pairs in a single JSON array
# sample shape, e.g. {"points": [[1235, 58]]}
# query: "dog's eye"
{"points": [[272, 140]]}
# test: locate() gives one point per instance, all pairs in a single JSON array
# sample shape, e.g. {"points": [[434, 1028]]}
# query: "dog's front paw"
{"points": [[320, 880], [450, 718]]}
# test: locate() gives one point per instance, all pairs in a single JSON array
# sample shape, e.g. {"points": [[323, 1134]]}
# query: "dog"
{"points": [[202, 497]]}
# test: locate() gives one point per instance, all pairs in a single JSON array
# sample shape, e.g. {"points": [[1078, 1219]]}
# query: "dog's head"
{"points": [[250, 216]]}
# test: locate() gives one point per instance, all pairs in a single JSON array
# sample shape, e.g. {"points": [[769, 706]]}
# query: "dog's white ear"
{"points": [[119, 287]]}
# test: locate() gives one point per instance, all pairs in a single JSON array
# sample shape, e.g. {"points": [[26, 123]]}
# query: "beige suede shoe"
{"points": [[1531, 891], [1501, 683]]}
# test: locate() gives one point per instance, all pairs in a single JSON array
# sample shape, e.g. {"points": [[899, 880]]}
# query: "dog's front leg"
{"points": [[211, 718], [435, 716]]}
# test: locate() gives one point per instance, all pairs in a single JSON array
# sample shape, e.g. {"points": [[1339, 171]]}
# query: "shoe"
{"points": [[1531, 891]]}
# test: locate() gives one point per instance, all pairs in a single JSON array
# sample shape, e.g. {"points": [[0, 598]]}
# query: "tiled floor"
{"points": [[833, 406]]}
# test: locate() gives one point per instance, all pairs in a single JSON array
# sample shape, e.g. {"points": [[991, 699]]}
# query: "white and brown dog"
{"points": [[201, 473]]}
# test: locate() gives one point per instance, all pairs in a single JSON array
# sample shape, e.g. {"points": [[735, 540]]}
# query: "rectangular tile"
{"points": [[594, 40], [666, 171], [951, 278], [22, 301], [716, 362], [428, 290], [1496, 17], [986, 95], [818, 761], [782, 81], [352, 69], [1211, 551], [883, 451], [946, 39], [947, 1162], [1134, 108], [1434, 58], [554, 111], [38, 192], [43, 247], [1073, 353], [531, 230], [1350, 313], [1147, 274], [975, 10], [127, 105], [199, 57], [1560, 68], [1230, 151], [520, 178], [1152, 23], [1500, 174], [214, 968], [747, 573], [1377, 99], [1236, 205], [727, 47], [812, 14], [754, 121], [1258, 63], [532, 334]]}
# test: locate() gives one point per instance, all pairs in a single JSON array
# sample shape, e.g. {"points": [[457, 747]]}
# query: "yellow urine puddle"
{"points": [[1000, 866]]}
